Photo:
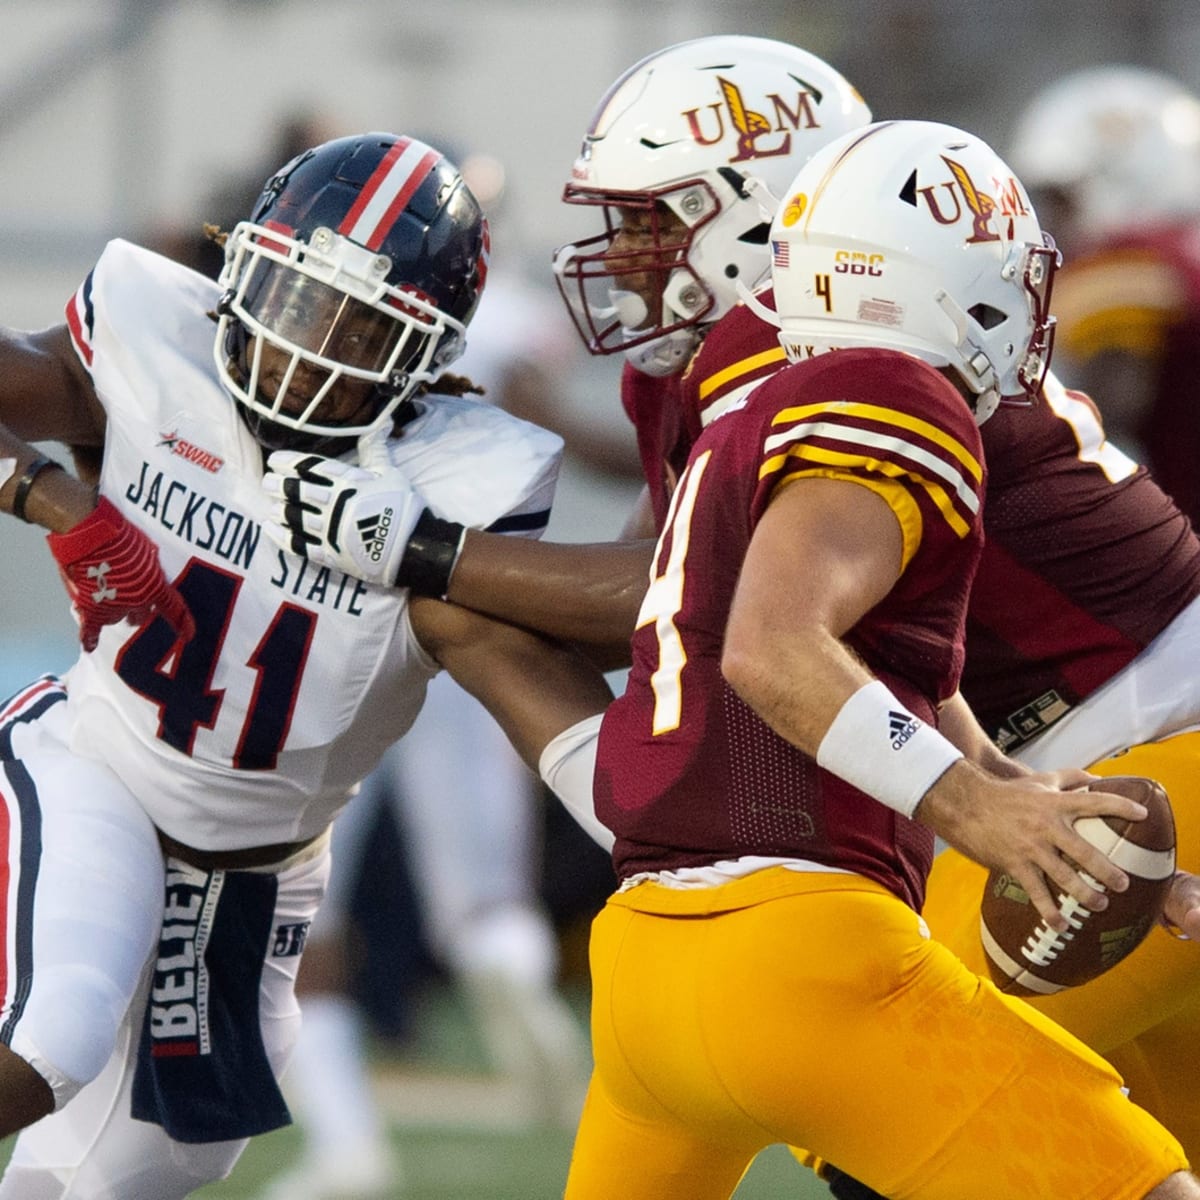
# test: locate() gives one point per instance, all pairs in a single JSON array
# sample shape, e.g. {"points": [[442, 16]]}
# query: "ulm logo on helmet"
{"points": [[963, 191], [750, 125]]}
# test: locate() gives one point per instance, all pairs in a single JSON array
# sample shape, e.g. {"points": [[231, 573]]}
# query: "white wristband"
{"points": [[877, 745]]}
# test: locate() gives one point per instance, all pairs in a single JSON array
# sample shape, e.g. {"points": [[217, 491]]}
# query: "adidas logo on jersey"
{"points": [[374, 533], [901, 726]]}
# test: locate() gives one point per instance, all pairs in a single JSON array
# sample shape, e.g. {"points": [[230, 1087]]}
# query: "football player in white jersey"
{"points": [[164, 807]]}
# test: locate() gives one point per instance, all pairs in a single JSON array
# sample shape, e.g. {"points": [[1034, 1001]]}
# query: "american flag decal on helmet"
{"points": [[400, 172]]}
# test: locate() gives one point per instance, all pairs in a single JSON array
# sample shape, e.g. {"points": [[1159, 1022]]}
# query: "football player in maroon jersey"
{"points": [[1083, 620], [762, 809], [1095, 591], [772, 774]]}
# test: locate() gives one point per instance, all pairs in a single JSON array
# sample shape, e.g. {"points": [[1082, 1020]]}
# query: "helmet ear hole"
{"points": [[759, 235], [987, 316]]}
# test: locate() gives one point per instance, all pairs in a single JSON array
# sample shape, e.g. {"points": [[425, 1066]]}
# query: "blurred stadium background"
{"points": [[142, 118]]}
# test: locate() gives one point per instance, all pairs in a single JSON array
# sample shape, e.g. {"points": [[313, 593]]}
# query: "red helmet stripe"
{"points": [[400, 172], [81, 334]]}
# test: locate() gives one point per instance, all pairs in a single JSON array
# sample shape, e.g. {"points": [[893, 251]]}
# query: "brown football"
{"points": [[1028, 958]]}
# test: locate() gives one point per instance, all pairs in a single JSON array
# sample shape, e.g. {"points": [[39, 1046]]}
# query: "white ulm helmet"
{"points": [[916, 236], [713, 129], [1120, 144]]}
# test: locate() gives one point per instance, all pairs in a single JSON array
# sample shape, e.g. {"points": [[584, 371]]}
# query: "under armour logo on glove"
{"points": [[112, 572], [100, 574]]}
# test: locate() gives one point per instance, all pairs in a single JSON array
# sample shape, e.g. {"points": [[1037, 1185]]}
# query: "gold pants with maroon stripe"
{"points": [[812, 1009], [1144, 1014]]}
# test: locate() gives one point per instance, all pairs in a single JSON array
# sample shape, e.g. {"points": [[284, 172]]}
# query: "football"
{"points": [[1026, 957]]}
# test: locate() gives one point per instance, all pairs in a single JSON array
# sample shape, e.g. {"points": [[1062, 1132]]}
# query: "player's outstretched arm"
{"points": [[110, 568], [588, 594], [534, 687]]}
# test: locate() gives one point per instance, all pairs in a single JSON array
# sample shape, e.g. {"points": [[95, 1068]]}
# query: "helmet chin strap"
{"points": [[974, 366], [756, 306], [664, 355]]}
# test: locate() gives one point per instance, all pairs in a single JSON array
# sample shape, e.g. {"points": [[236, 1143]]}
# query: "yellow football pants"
{"points": [[1144, 1014], [810, 1009]]}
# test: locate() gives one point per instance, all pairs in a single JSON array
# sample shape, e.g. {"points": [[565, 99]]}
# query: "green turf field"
{"points": [[458, 1162], [464, 1164]]}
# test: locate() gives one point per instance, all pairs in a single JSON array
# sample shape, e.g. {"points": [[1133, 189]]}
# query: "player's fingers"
{"points": [[1040, 896], [1182, 908], [89, 634], [284, 462], [1094, 862], [1109, 804], [140, 615], [1070, 877]]}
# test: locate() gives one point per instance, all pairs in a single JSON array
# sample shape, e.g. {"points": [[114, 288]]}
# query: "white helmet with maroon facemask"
{"points": [[915, 236], [711, 131]]}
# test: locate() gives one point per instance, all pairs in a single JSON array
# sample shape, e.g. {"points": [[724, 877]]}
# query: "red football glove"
{"points": [[112, 573]]}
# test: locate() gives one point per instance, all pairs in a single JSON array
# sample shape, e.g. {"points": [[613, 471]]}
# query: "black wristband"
{"points": [[430, 556], [21, 495]]}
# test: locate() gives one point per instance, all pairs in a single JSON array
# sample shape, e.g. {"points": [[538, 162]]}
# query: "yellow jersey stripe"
{"points": [[743, 367], [899, 499], [888, 416], [873, 443], [818, 454]]}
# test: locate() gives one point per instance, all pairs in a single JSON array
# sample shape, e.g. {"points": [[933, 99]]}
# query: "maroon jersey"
{"points": [[686, 773], [1085, 560], [652, 404], [1138, 293]]}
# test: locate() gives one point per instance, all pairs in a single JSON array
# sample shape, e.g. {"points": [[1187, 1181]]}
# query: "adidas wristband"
{"points": [[877, 745], [430, 556]]}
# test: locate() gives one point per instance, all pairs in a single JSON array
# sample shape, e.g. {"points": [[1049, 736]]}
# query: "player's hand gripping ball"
{"points": [[1028, 958]]}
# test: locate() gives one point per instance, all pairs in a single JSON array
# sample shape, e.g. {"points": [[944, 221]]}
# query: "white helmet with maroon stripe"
{"points": [[694, 143], [350, 286], [915, 236]]}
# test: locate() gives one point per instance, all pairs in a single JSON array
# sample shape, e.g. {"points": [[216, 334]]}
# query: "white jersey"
{"points": [[298, 677]]}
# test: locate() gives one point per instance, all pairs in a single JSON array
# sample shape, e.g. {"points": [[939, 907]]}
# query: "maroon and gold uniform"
{"points": [[679, 733], [762, 972], [1082, 627], [663, 440], [1085, 562]]}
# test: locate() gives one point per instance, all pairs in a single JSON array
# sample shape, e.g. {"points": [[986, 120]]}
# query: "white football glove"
{"points": [[368, 523]]}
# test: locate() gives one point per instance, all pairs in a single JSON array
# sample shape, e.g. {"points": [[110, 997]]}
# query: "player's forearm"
{"points": [[534, 687], [958, 723], [587, 593], [34, 488]]}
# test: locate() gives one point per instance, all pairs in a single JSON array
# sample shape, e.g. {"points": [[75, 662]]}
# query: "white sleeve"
{"points": [[567, 765]]}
